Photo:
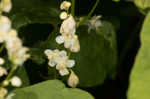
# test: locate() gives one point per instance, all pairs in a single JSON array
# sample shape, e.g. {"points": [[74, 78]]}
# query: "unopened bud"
{"points": [[73, 80], [65, 5], [63, 15], [15, 81]]}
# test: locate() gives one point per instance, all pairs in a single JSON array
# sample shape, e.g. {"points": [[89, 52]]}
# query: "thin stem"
{"points": [[93, 9], [2, 47], [11, 72], [73, 7]]}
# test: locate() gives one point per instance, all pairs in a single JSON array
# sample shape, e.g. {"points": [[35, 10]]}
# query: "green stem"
{"points": [[2, 47], [93, 9], [11, 72], [73, 7]]}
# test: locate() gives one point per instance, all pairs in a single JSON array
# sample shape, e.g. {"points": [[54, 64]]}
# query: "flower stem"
{"points": [[11, 72], [2, 47], [73, 7], [93, 9]]}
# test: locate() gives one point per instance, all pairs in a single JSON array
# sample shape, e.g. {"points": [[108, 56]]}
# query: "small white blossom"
{"points": [[3, 93], [6, 5], [65, 5], [16, 52], [5, 25], [3, 71], [63, 64], [70, 41], [94, 23], [73, 80], [63, 15], [2, 61], [68, 26], [16, 81]]}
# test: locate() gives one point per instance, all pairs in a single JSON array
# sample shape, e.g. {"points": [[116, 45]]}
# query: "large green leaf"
{"points": [[140, 80], [97, 58], [26, 12], [52, 89]]}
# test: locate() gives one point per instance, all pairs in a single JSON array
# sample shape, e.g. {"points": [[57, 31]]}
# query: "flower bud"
{"points": [[5, 83], [3, 93], [2, 61], [6, 5], [63, 15], [2, 71], [65, 5], [15, 81], [73, 80]]}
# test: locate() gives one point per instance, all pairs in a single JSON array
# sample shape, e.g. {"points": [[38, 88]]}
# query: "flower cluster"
{"points": [[17, 53], [58, 58]]}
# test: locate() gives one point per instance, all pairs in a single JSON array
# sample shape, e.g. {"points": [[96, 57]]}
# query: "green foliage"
{"points": [[139, 86], [52, 89], [143, 4], [98, 56]]}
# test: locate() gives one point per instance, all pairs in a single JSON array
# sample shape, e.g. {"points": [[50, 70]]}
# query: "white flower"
{"points": [[60, 60], [63, 15], [15, 81], [94, 23], [63, 64], [6, 5], [70, 41], [65, 5], [53, 56], [5, 25], [68, 26], [3, 71], [73, 80], [2, 61], [16, 52], [3, 93]]}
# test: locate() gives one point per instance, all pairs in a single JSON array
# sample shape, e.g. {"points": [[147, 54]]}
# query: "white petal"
{"points": [[48, 52], [51, 63], [71, 63], [63, 53], [63, 72], [60, 39]]}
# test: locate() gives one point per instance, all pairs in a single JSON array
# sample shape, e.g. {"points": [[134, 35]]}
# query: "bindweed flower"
{"points": [[63, 15], [94, 23], [15, 81], [65, 5], [6, 5], [2, 61], [3, 71], [70, 41], [68, 26], [73, 80], [3, 93]]}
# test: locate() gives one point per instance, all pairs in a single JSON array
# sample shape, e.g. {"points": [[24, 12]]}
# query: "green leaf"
{"points": [[97, 58], [26, 12], [140, 80], [52, 89], [143, 4]]}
